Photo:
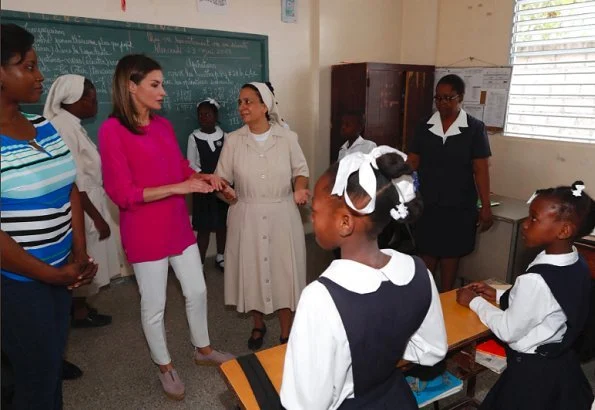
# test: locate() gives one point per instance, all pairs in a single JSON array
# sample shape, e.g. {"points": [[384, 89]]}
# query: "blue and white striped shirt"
{"points": [[35, 194]]}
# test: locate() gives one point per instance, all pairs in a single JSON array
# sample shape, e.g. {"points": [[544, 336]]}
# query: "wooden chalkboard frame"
{"points": [[87, 21]]}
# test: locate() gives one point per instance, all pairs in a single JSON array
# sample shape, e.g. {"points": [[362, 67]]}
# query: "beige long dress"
{"points": [[265, 255]]}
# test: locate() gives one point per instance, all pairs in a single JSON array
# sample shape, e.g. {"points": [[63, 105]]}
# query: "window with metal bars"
{"points": [[552, 92]]}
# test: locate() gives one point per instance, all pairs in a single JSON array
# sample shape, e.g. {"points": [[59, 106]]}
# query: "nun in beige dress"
{"points": [[265, 255]]}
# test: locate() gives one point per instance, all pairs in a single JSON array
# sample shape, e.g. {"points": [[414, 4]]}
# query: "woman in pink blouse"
{"points": [[145, 174]]}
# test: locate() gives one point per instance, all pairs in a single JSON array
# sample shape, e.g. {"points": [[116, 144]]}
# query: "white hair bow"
{"points": [[531, 198], [578, 189], [211, 101], [365, 165]]}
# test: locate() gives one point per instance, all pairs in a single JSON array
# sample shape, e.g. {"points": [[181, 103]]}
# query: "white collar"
{"points": [[454, 129], [362, 279], [359, 140], [209, 138], [563, 259]]}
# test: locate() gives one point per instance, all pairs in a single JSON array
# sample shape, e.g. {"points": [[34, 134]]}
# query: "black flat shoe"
{"points": [[92, 320], [256, 343], [283, 340], [70, 371]]}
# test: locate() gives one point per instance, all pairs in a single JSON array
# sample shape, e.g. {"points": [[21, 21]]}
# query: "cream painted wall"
{"points": [[290, 54], [419, 25], [518, 165], [354, 31]]}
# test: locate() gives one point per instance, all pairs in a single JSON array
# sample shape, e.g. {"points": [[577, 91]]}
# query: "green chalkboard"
{"points": [[196, 63]]}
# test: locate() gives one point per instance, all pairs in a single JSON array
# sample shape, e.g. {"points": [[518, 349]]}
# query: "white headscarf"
{"points": [[67, 89], [269, 100]]}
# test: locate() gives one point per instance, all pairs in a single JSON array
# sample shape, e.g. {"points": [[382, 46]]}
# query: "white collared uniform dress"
{"points": [[89, 180], [319, 369], [209, 213], [359, 145], [543, 370]]}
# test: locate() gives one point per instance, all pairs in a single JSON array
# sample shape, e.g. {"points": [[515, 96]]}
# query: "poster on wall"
{"points": [[486, 91], [289, 11], [212, 6]]}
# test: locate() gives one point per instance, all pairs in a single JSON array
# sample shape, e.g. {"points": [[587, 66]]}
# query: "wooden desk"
{"points": [[463, 330]]}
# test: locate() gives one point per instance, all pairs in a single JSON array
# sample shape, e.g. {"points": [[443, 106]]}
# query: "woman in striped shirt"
{"points": [[42, 227]]}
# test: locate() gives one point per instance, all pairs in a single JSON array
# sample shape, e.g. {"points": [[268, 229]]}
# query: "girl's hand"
{"points": [[483, 290], [465, 296], [215, 181], [102, 227], [192, 184], [229, 194], [301, 196]]}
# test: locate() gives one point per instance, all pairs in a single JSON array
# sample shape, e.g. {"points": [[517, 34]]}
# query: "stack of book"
{"points": [[491, 354], [428, 391]]}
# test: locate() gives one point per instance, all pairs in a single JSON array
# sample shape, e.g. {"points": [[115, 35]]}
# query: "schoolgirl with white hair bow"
{"points": [[209, 213], [371, 308]]}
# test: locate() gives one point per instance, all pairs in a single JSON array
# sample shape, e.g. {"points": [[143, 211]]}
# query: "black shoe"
{"points": [[256, 343], [92, 320], [70, 371], [283, 340]]}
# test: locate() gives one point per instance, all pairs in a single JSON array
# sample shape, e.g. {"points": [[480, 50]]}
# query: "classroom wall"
{"points": [[352, 31], [419, 24], [439, 32], [518, 165], [290, 53]]}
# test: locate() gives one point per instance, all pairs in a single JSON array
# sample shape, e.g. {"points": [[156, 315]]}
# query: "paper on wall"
{"points": [[495, 108], [475, 110]]}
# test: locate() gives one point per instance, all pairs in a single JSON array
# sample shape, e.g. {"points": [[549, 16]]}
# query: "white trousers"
{"points": [[152, 285]]}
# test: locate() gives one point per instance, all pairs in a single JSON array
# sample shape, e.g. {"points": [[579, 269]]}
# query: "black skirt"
{"points": [[533, 382], [446, 231], [208, 212]]}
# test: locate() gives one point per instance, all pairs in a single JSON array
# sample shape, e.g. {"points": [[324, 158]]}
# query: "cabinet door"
{"points": [[348, 93], [417, 102], [384, 106]]}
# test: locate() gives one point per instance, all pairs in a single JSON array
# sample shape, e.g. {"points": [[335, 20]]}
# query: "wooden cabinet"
{"points": [[394, 98]]}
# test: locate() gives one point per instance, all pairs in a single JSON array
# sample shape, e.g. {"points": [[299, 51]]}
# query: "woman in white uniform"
{"points": [[73, 98]]}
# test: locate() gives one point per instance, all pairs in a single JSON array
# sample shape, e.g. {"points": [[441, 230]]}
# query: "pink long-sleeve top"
{"points": [[130, 163]]}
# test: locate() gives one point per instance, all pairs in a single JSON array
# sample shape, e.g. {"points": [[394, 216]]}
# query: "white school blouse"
{"points": [[533, 317], [192, 152], [317, 372], [359, 145]]}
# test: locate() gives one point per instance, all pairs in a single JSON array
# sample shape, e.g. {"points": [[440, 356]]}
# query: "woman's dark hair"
{"points": [[253, 87], [455, 82], [15, 41], [211, 106], [87, 87], [133, 67], [390, 166], [578, 209]]}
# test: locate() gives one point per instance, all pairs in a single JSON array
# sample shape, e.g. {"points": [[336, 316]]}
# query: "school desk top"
{"points": [[462, 327]]}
